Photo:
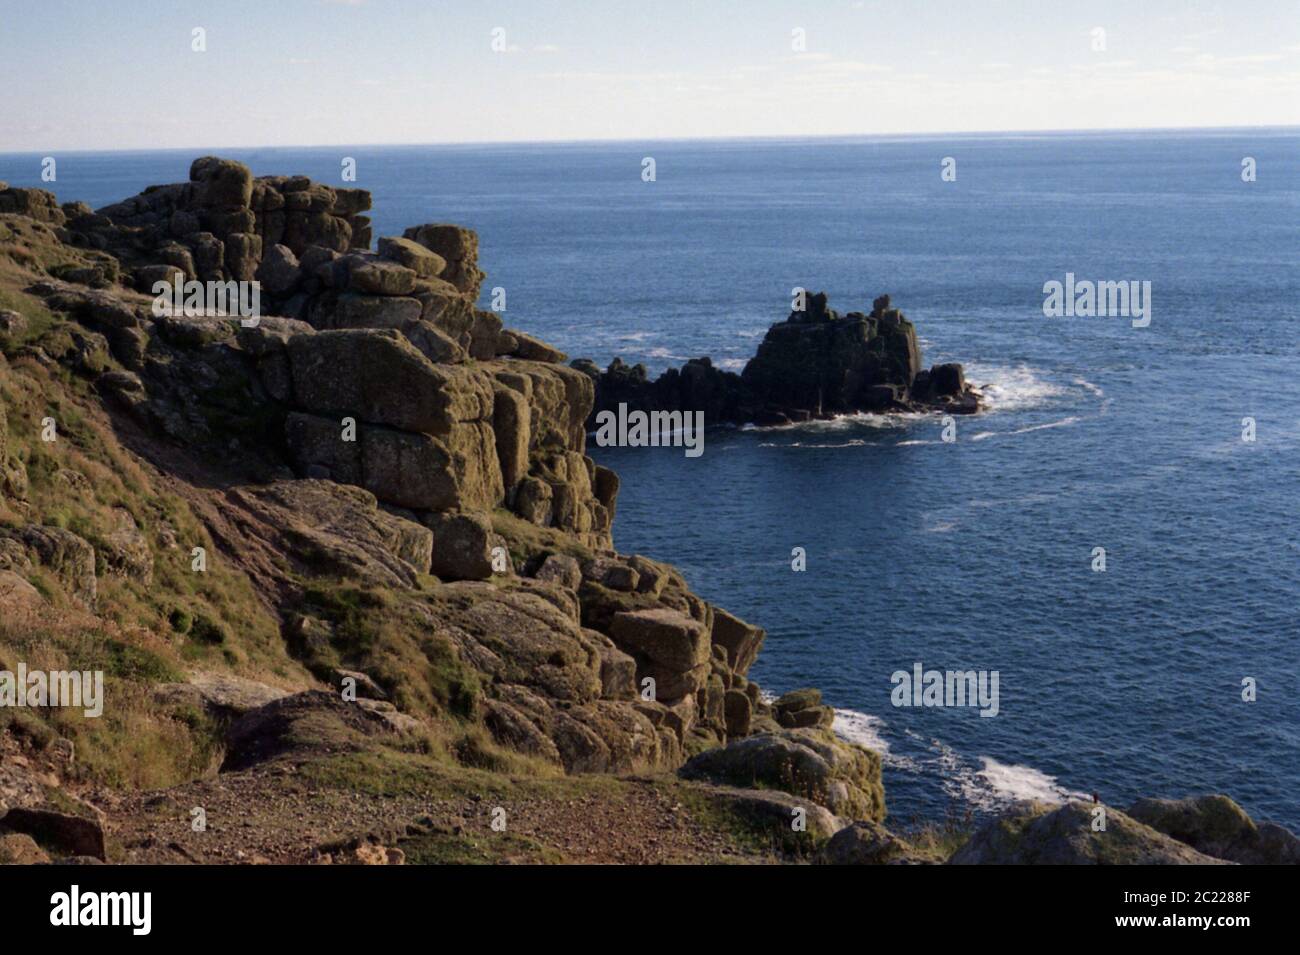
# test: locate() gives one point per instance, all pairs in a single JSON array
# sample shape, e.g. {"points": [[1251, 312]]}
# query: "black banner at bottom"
{"points": [[189, 903]]}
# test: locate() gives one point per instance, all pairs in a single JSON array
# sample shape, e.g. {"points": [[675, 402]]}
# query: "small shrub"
{"points": [[206, 630]]}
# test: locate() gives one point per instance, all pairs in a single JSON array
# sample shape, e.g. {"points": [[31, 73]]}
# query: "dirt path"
{"points": [[272, 815]]}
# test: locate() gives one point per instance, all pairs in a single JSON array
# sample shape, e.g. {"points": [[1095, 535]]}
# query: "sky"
{"points": [[83, 74]]}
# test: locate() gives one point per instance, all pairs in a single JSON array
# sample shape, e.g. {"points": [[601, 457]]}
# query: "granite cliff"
{"points": [[391, 495]]}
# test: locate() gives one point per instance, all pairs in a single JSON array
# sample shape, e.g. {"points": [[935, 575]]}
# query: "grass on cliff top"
{"points": [[388, 636], [144, 632], [748, 833], [551, 816], [83, 480], [39, 318], [136, 743], [31, 248]]}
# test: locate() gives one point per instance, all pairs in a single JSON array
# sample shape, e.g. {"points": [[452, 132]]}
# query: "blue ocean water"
{"points": [[975, 554]]}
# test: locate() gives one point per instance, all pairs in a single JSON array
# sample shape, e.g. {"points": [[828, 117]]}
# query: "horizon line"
{"points": [[758, 137]]}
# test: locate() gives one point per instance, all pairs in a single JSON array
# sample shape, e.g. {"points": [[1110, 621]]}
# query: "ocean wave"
{"points": [[1012, 783], [982, 782], [1089, 386], [855, 443], [849, 422], [867, 731], [1008, 388], [990, 785], [861, 728], [1063, 423]]}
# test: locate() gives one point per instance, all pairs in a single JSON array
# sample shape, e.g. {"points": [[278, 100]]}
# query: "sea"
{"points": [[1116, 536]]}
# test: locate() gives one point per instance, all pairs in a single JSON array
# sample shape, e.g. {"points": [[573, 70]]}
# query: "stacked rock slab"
{"points": [[390, 376], [217, 226], [386, 374], [445, 412]]}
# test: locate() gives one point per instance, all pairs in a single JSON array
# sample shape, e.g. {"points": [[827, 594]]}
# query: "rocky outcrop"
{"points": [[1040, 834], [772, 811], [815, 764], [1217, 826], [406, 481], [220, 694], [72, 835], [870, 843], [65, 554], [802, 709], [366, 368], [295, 724], [217, 226], [815, 364], [325, 529], [39, 205]]}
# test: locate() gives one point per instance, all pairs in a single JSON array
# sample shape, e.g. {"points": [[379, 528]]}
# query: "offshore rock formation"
{"points": [[815, 364]]}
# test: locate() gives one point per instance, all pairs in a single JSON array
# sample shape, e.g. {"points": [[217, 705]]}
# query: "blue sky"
{"points": [[117, 75]]}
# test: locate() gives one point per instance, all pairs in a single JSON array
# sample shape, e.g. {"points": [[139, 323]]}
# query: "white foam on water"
{"points": [[730, 364], [660, 352], [1010, 783], [1088, 385], [1063, 423], [989, 785], [1006, 388], [855, 443], [848, 422], [867, 731], [1003, 388], [861, 728]]}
